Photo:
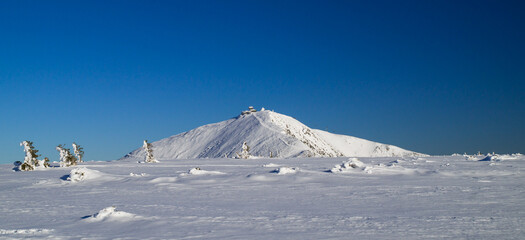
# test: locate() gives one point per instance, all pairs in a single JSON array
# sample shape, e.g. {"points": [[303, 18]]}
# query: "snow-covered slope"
{"points": [[358, 147], [267, 133]]}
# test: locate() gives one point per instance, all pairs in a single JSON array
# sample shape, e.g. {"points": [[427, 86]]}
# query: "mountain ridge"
{"points": [[268, 134]]}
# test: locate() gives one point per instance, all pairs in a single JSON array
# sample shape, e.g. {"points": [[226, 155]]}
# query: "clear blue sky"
{"points": [[436, 77]]}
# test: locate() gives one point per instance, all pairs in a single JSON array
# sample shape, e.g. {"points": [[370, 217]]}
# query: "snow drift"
{"points": [[111, 214], [268, 134]]}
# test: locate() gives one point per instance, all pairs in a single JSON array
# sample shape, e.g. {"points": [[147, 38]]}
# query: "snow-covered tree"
{"points": [[245, 152], [149, 152], [30, 161], [66, 158], [79, 152]]}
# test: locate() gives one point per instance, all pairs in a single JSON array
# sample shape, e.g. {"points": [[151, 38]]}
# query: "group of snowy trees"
{"points": [[244, 154], [31, 161], [67, 159]]}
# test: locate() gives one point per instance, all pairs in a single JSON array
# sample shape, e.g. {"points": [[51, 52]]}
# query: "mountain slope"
{"points": [[358, 147], [267, 133]]}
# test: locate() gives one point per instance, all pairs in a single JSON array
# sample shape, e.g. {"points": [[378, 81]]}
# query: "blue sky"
{"points": [[436, 77]]}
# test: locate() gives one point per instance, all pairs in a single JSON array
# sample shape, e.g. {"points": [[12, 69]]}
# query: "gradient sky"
{"points": [[437, 77]]}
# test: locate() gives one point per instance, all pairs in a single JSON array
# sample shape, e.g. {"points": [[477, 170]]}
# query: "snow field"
{"points": [[425, 197]]}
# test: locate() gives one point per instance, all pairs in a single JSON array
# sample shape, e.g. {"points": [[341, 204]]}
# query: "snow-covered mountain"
{"points": [[267, 133]]}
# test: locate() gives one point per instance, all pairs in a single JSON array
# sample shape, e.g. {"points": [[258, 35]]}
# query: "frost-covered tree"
{"points": [[30, 161], [149, 152], [66, 158], [79, 151], [245, 152]]}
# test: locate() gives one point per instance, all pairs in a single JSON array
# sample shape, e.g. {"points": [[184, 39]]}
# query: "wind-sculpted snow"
{"points": [[81, 174], [285, 170], [112, 215], [424, 197], [353, 165], [267, 134], [199, 171]]}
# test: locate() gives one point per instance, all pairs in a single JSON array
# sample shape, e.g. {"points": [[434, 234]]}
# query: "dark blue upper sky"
{"points": [[436, 77]]}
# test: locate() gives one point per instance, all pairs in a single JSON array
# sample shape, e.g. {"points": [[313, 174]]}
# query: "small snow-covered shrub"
{"points": [[245, 152], [43, 163], [352, 163]]}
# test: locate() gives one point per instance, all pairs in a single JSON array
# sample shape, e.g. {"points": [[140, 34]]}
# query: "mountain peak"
{"points": [[267, 133]]}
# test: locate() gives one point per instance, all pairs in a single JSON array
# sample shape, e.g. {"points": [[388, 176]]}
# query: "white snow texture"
{"points": [[445, 197]]}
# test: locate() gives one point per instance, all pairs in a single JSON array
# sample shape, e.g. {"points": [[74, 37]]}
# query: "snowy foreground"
{"points": [[453, 197]]}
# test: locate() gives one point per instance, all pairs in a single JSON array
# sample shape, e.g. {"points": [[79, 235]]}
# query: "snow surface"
{"points": [[267, 134], [446, 197]]}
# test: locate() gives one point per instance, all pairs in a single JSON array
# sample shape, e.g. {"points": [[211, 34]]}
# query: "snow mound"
{"points": [[112, 215], [352, 163], [490, 158], [355, 165], [81, 174], [497, 157], [199, 171], [285, 170], [267, 133]]}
